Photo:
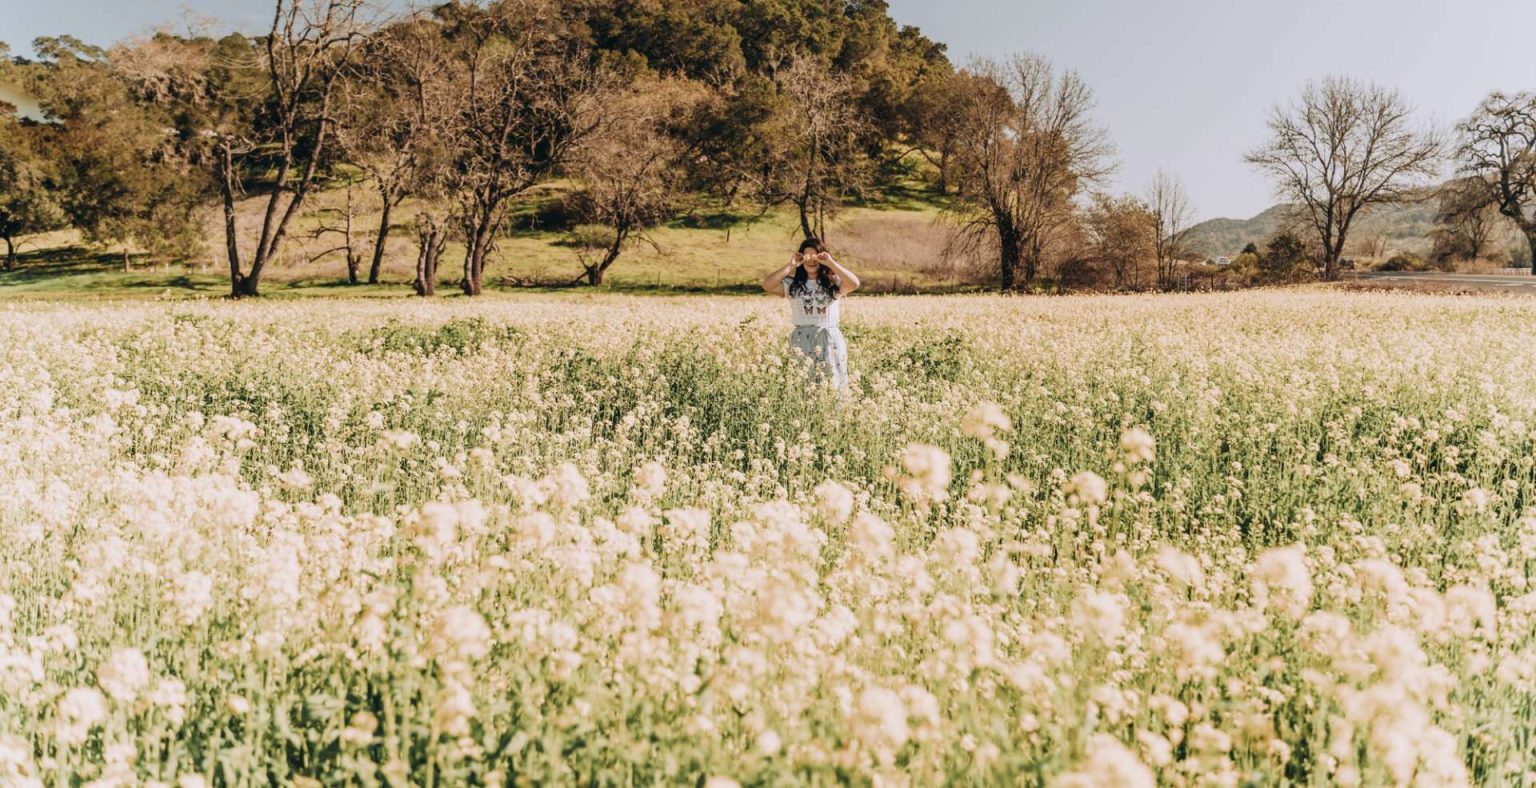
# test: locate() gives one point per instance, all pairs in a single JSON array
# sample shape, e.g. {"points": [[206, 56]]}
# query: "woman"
{"points": [[815, 285]]}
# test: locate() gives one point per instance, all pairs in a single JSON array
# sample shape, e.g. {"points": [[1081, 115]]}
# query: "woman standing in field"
{"points": [[815, 285]]}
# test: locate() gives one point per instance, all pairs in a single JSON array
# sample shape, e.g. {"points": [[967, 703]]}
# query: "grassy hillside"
{"points": [[1398, 228], [1227, 237], [896, 245]]}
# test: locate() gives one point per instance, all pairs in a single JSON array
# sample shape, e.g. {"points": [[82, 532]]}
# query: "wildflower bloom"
{"points": [[1088, 487], [81, 709], [835, 501], [927, 472], [1137, 446], [1282, 579], [124, 674], [1329, 579], [460, 632], [983, 423]]}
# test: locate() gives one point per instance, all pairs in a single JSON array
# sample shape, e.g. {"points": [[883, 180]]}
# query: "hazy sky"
{"points": [[1181, 84], [1186, 84]]}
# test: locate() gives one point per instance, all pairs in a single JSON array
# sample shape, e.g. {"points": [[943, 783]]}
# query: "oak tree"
{"points": [[1342, 147], [1498, 144], [1028, 149]]}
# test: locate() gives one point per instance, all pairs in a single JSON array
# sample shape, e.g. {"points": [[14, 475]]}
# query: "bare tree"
{"points": [[391, 111], [1171, 218], [1498, 144], [306, 53], [432, 222], [1373, 243], [1468, 218], [524, 101], [342, 223], [1120, 234], [631, 169], [1343, 147], [1029, 149], [814, 162]]}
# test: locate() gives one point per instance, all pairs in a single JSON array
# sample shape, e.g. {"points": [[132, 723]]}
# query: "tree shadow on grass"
{"points": [[84, 270], [907, 197], [61, 261], [714, 219]]}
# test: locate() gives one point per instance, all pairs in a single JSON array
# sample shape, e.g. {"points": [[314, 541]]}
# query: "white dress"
{"points": [[817, 338]]}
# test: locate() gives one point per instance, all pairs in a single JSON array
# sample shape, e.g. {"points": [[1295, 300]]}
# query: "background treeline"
{"points": [[653, 109], [1361, 178], [468, 127], [644, 112]]}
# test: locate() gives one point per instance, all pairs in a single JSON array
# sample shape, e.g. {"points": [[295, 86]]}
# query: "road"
{"points": [[1524, 284]]}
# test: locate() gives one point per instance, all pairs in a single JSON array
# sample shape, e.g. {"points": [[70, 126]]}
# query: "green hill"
{"points": [[1227, 237], [1377, 233]]}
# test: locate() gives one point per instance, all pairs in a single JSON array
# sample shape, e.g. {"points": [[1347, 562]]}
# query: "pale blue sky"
{"points": [[1186, 84], [1181, 84]]}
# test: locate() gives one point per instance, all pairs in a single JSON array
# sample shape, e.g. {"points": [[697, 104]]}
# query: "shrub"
{"points": [[1405, 261], [1284, 259]]}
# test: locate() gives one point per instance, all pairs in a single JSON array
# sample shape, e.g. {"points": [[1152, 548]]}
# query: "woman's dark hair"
{"points": [[830, 283]]}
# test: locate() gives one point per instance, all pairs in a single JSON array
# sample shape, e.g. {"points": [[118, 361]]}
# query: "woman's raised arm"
{"points": [[773, 284], [850, 279]]}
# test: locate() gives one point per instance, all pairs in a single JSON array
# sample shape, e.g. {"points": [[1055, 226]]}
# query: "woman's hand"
{"points": [[850, 279]]}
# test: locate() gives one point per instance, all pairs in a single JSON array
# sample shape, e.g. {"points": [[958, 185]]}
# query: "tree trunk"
{"points": [[478, 232], [126, 267], [431, 240], [1010, 264], [1530, 239], [474, 266], [354, 260], [1031, 254], [595, 273], [10, 253], [227, 185], [426, 282], [379, 239], [476, 286], [805, 218], [467, 284], [1331, 257], [247, 287]]}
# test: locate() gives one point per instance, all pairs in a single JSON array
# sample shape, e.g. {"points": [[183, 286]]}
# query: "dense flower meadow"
{"points": [[1268, 538]]}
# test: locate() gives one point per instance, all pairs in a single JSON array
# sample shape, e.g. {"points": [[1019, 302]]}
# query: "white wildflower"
{"points": [[124, 674], [834, 501]]}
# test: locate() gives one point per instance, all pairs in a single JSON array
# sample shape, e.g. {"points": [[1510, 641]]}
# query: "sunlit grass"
{"points": [[711, 250]]}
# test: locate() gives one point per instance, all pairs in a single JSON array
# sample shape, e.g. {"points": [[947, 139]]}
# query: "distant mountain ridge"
{"points": [[1399, 228], [1226, 237]]}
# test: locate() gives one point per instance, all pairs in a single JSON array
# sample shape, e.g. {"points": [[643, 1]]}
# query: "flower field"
{"points": [[1266, 538]]}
